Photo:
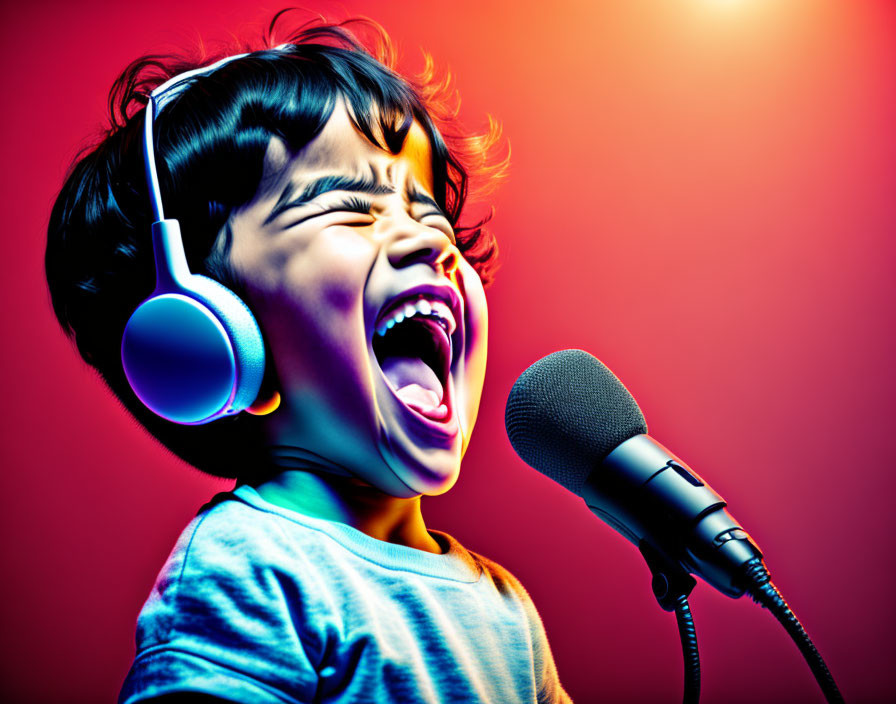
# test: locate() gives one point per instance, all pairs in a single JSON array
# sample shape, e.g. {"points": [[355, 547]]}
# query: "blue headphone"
{"points": [[192, 352]]}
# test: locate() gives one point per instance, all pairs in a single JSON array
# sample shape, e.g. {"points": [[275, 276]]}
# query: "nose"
{"points": [[414, 243]]}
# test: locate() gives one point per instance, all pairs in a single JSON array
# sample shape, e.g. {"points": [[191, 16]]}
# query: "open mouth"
{"points": [[412, 345]]}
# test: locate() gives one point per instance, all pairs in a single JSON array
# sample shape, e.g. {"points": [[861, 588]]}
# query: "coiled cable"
{"points": [[689, 650], [766, 594]]}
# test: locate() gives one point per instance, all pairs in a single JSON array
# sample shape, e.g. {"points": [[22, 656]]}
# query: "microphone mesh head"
{"points": [[566, 413]]}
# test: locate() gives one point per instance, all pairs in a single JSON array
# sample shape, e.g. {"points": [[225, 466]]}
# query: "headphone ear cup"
{"points": [[244, 333], [194, 355]]}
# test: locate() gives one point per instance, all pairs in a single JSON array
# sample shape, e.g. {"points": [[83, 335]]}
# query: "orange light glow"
{"points": [[265, 407]]}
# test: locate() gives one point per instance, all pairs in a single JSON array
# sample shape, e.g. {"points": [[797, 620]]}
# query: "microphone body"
{"points": [[570, 418], [649, 495]]}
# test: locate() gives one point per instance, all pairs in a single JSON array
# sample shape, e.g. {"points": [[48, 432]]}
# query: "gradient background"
{"points": [[702, 195]]}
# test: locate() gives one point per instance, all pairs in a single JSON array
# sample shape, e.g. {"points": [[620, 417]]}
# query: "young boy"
{"points": [[312, 181]]}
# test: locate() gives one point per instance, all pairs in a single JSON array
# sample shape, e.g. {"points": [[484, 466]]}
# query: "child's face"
{"points": [[323, 276]]}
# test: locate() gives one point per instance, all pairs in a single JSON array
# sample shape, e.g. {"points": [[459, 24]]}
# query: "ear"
{"points": [[264, 404], [268, 399]]}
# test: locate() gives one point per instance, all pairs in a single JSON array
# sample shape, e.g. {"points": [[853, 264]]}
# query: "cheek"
{"points": [[475, 344], [306, 289], [476, 312], [326, 269], [324, 287]]}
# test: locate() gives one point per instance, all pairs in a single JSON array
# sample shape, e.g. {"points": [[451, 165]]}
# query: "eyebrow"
{"points": [[415, 196], [340, 182]]}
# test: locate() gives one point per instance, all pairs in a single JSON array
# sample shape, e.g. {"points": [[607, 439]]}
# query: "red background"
{"points": [[701, 195]]}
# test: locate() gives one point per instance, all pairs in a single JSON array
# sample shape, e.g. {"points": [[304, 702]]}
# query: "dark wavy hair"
{"points": [[212, 138]]}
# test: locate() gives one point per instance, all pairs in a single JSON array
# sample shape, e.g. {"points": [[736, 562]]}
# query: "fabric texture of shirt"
{"points": [[258, 603]]}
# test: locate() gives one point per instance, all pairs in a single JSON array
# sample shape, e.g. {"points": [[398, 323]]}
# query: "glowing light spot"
{"points": [[264, 407]]}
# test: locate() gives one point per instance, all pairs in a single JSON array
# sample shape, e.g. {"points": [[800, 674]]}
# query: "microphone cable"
{"points": [[766, 594], [689, 652], [671, 584]]}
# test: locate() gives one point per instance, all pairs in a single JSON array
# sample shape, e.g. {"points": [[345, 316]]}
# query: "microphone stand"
{"points": [[671, 585]]}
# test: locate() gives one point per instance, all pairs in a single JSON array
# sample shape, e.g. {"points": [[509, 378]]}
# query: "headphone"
{"points": [[192, 352]]}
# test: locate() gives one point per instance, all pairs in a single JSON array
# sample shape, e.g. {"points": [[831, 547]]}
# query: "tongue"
{"points": [[414, 382]]}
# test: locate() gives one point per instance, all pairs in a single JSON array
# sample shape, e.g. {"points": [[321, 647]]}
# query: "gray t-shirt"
{"points": [[258, 603]]}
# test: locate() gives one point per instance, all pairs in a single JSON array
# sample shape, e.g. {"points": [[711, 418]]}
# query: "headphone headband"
{"points": [[192, 352], [158, 99]]}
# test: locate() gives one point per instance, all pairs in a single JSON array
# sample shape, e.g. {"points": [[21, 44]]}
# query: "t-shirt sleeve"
{"points": [[222, 619], [549, 689]]}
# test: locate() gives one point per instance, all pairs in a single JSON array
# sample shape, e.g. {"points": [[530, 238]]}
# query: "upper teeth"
{"points": [[422, 306]]}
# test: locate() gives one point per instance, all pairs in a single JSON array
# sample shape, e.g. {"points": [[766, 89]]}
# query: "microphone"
{"points": [[571, 419]]}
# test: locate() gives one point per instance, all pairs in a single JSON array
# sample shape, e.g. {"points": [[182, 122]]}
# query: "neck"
{"points": [[350, 501]]}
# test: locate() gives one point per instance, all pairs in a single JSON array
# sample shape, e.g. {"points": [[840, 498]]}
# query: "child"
{"points": [[312, 181]]}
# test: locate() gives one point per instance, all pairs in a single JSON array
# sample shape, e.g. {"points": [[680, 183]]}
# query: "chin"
{"points": [[416, 468], [432, 476]]}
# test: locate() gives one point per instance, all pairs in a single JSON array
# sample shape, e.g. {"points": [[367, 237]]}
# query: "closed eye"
{"points": [[353, 204], [363, 206], [441, 224]]}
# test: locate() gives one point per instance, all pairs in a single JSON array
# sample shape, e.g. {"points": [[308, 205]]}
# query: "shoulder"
{"points": [[226, 542], [234, 573], [504, 580], [508, 588], [222, 615], [236, 540], [227, 533], [548, 684]]}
